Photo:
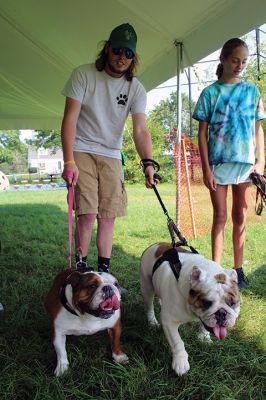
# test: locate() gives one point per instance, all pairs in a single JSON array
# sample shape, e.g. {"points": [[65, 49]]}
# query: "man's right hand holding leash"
{"points": [[149, 167], [70, 173]]}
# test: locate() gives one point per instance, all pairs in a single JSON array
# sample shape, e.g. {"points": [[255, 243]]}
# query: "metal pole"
{"points": [[258, 52], [190, 202], [190, 102], [179, 49]]}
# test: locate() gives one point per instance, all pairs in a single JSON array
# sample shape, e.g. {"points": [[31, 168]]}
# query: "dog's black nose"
{"points": [[220, 317], [108, 291]]}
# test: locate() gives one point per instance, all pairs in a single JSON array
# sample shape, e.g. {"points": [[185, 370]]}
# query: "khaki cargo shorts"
{"points": [[100, 188]]}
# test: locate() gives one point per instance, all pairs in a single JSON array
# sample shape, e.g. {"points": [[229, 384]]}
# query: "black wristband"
{"points": [[147, 162]]}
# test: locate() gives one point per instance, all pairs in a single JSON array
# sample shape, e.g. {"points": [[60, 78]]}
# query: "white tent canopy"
{"points": [[41, 42]]}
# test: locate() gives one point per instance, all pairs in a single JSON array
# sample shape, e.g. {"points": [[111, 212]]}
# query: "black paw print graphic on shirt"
{"points": [[122, 99]]}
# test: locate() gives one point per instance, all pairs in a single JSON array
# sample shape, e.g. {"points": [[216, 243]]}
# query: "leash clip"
{"points": [[173, 230], [79, 255]]}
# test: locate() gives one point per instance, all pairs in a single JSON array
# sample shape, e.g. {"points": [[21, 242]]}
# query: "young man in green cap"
{"points": [[99, 98]]}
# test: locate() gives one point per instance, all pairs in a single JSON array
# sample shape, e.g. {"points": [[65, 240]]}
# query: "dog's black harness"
{"points": [[171, 255]]}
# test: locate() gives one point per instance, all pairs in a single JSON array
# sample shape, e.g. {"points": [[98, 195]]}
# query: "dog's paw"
{"points": [[61, 368], [205, 337], [120, 358], [153, 323], [180, 364]]}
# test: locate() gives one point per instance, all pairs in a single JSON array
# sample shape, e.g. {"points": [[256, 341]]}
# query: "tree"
{"points": [[13, 153], [132, 170], [48, 139], [165, 114]]}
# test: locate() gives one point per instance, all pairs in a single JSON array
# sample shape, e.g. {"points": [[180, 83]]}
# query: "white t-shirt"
{"points": [[105, 105]]}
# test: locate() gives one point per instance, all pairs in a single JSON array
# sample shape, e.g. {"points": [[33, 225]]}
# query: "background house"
{"points": [[46, 161]]}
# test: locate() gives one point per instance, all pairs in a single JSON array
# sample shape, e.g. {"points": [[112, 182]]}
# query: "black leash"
{"points": [[260, 182], [173, 230]]}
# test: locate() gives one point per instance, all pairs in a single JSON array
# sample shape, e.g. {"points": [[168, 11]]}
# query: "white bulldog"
{"points": [[83, 304], [204, 291]]}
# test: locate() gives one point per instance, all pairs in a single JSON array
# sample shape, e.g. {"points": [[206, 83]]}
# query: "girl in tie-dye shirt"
{"points": [[231, 143]]}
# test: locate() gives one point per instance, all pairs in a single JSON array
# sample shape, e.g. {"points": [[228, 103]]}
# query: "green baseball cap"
{"points": [[124, 36]]}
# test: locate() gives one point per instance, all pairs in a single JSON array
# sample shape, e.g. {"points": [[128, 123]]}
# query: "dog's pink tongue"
{"points": [[112, 303], [220, 332]]}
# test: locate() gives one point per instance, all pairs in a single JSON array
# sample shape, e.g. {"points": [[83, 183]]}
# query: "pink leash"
{"points": [[71, 207]]}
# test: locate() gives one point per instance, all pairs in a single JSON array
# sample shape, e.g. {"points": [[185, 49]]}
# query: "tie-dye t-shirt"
{"points": [[231, 111]]}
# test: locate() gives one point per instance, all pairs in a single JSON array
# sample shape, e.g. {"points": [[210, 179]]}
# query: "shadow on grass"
{"points": [[257, 282]]}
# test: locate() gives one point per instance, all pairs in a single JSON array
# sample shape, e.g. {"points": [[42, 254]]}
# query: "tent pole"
{"points": [[188, 74], [190, 103], [258, 52], [179, 54]]}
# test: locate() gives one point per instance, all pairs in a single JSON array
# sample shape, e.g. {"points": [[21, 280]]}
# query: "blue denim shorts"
{"points": [[231, 173]]}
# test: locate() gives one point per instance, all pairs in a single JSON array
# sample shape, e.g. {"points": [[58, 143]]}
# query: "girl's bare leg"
{"points": [[241, 195], [219, 203]]}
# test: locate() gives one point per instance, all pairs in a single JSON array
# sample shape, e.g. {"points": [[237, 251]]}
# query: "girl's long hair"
{"points": [[101, 61], [227, 50]]}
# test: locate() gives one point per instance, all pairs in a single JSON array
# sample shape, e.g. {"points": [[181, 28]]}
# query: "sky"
{"points": [[198, 73]]}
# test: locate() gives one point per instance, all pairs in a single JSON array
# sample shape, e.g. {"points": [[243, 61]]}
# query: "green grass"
{"points": [[35, 246]]}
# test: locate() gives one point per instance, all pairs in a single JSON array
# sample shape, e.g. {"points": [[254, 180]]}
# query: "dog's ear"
{"points": [[122, 290], [221, 278], [74, 279], [232, 274], [197, 275]]}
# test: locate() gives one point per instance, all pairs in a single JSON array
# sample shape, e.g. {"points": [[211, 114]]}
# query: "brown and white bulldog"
{"points": [[83, 304], [203, 291]]}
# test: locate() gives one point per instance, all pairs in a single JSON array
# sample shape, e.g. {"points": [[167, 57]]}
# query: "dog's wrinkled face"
{"points": [[94, 291], [215, 299]]}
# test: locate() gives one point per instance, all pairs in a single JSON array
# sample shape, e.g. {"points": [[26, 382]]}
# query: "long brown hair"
{"points": [[227, 50], [102, 59]]}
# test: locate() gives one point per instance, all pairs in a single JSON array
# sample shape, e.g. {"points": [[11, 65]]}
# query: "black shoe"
{"points": [[242, 279], [103, 264]]}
